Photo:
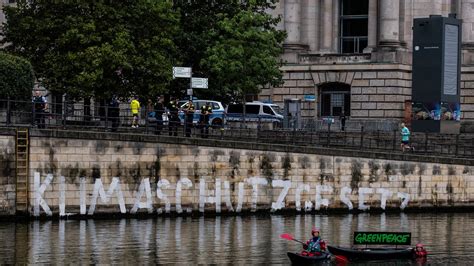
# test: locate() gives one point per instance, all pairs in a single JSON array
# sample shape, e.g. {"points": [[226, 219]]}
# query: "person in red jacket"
{"points": [[314, 246], [420, 251]]}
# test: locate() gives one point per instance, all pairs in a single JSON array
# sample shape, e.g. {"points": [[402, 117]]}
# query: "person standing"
{"points": [[342, 119], [39, 109], [114, 113], [189, 111], [174, 117], [159, 110], [135, 108], [206, 111], [405, 137]]}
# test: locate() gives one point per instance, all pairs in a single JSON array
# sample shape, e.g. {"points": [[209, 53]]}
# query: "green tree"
{"points": [[95, 48], [233, 43], [16, 77]]}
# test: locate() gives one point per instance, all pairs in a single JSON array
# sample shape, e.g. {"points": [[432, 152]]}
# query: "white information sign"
{"points": [[199, 83], [181, 72]]}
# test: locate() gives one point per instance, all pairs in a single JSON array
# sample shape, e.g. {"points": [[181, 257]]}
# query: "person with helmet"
{"points": [[173, 121], [189, 116], [314, 246], [206, 111], [420, 251]]}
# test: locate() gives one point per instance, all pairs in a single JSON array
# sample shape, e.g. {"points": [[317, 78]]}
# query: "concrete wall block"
{"points": [[389, 90], [369, 105], [332, 76], [296, 75], [376, 113], [369, 90], [467, 100], [315, 77], [322, 77], [281, 90], [359, 113], [392, 106], [406, 91], [360, 98], [297, 91], [395, 83], [469, 84], [394, 98], [376, 82], [305, 83], [351, 76], [343, 77], [289, 83], [369, 75], [356, 90], [376, 98], [360, 83], [355, 105], [390, 75], [467, 92]]}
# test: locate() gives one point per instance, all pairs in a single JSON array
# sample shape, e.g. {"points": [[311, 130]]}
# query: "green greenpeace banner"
{"points": [[382, 238]]}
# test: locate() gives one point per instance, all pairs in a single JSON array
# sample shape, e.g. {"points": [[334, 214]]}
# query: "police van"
{"points": [[215, 119], [255, 112]]}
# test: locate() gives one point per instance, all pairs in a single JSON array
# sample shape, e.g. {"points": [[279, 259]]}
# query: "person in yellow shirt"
{"points": [[135, 108]]}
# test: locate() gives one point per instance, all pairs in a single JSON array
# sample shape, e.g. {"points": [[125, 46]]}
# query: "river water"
{"points": [[448, 237]]}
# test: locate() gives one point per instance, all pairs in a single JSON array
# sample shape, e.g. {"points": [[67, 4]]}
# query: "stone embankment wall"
{"points": [[93, 173], [7, 175]]}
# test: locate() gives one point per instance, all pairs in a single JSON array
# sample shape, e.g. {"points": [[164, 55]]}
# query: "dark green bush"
{"points": [[16, 77]]}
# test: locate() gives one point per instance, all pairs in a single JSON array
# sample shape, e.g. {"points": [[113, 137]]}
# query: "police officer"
{"points": [[206, 111], [189, 112], [159, 110], [39, 105], [174, 117]]}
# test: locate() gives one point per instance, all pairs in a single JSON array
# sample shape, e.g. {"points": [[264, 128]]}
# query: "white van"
{"points": [[254, 111]]}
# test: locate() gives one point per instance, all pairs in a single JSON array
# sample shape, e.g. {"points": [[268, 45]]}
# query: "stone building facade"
{"points": [[355, 55]]}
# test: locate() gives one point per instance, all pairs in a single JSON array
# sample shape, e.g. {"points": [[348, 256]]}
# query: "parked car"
{"points": [[216, 118], [255, 111]]}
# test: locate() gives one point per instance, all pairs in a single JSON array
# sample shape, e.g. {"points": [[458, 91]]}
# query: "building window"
{"points": [[335, 99], [354, 20]]}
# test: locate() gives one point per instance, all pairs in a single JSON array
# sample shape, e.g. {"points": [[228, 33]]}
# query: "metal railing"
{"points": [[95, 117]]}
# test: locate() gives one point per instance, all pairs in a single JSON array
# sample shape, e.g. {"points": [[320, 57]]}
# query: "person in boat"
{"points": [[314, 246], [420, 251]]}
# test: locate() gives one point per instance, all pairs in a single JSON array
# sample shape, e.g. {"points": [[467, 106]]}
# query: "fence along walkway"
{"points": [[96, 118]]}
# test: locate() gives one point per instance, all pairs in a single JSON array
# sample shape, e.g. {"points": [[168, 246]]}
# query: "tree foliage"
{"points": [[233, 43], [16, 77], [99, 48], [96, 48]]}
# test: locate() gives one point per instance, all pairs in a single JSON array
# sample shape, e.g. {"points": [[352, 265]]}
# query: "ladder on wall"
{"points": [[22, 163]]}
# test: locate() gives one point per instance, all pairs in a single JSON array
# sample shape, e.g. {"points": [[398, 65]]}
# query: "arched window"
{"points": [[335, 99]]}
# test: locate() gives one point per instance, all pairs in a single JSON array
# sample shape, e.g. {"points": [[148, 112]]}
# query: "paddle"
{"points": [[290, 237], [341, 260]]}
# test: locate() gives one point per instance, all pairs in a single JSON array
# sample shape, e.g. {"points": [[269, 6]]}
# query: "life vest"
{"points": [[39, 103], [135, 106]]}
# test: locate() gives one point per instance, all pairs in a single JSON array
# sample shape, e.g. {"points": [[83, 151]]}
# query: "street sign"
{"points": [[190, 92], [182, 72], [310, 97], [199, 83]]}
